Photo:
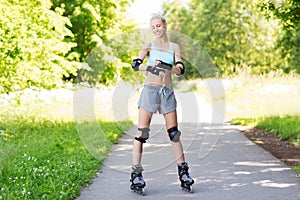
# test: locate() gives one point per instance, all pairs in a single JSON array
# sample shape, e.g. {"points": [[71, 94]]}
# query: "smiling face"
{"points": [[158, 27]]}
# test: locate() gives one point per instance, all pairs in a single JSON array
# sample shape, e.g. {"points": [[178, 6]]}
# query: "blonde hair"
{"points": [[159, 16]]}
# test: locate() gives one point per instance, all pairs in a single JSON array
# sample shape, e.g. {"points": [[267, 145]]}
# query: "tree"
{"points": [[32, 46], [94, 25], [234, 33], [288, 12]]}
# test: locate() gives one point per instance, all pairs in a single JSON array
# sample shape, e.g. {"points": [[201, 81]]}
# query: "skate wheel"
{"points": [[138, 190], [189, 189]]}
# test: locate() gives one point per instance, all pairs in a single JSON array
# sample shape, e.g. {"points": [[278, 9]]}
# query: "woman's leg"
{"points": [[137, 180], [171, 121], [143, 122], [184, 176]]}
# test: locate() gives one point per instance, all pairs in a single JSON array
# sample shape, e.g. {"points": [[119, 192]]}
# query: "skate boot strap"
{"points": [[183, 168], [137, 169], [184, 174], [185, 177], [136, 175], [137, 179]]}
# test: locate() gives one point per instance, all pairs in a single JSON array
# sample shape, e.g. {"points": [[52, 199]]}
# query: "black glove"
{"points": [[154, 70]]}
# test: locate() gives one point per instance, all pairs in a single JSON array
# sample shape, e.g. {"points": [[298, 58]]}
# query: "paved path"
{"points": [[223, 162]]}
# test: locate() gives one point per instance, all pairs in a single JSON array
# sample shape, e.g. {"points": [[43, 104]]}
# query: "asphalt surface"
{"points": [[223, 162]]}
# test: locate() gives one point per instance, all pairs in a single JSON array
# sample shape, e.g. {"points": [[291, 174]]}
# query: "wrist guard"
{"points": [[164, 65], [182, 70], [154, 70], [136, 63]]}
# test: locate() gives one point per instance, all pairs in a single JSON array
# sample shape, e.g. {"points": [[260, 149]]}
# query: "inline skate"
{"points": [[184, 177], [137, 181]]}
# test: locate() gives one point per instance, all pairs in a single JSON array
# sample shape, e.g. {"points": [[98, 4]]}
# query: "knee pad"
{"points": [[174, 134], [144, 136]]}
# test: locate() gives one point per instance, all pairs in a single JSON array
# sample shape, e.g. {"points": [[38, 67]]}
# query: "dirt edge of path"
{"points": [[283, 150]]}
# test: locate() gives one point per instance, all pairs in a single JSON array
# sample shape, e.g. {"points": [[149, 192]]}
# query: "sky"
{"points": [[141, 10]]}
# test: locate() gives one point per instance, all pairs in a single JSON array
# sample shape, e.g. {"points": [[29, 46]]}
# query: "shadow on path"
{"points": [[223, 162]]}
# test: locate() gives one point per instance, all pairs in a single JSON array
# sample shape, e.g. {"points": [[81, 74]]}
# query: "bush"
{"points": [[32, 47]]}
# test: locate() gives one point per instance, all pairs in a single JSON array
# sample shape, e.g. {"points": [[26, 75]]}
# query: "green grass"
{"points": [[287, 127], [258, 96], [269, 103], [45, 157], [297, 169], [47, 160]]}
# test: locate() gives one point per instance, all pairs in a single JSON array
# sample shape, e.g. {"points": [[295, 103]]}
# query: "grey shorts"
{"points": [[157, 98]]}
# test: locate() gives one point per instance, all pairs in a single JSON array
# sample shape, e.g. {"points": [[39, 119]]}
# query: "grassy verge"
{"points": [[252, 97], [287, 127], [43, 156], [269, 103], [297, 169], [47, 160]]}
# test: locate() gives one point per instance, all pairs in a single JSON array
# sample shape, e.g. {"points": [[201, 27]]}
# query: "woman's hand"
{"points": [[161, 73], [177, 69]]}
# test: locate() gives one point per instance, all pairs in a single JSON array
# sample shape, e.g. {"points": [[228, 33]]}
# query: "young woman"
{"points": [[158, 95]]}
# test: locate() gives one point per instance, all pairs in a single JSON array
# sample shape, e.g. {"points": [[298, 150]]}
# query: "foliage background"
{"points": [[32, 46], [235, 33], [44, 43]]}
